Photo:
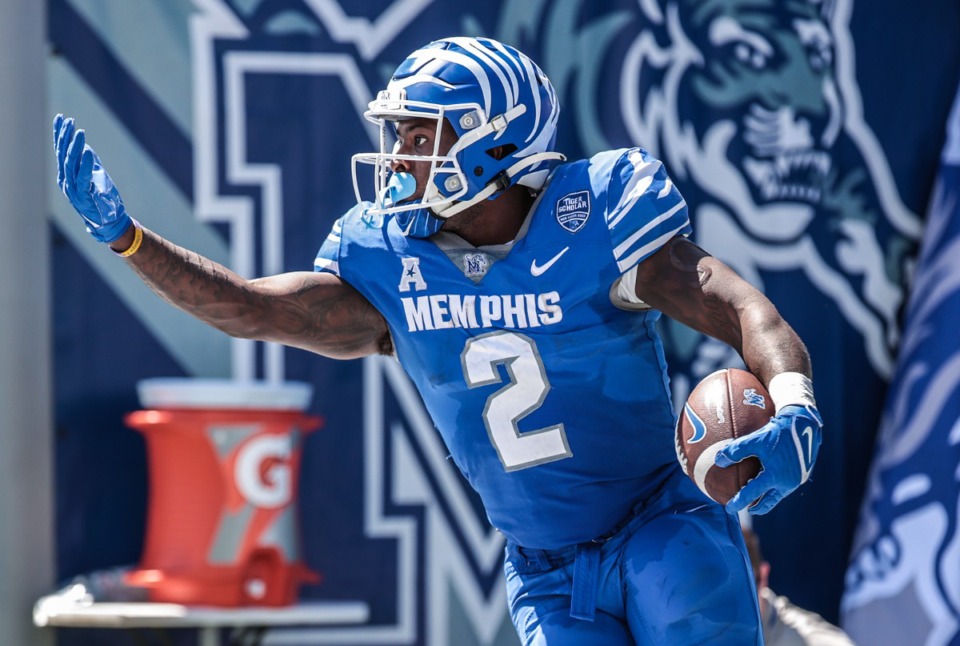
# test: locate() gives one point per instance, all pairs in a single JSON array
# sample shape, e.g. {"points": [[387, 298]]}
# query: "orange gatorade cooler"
{"points": [[224, 460]]}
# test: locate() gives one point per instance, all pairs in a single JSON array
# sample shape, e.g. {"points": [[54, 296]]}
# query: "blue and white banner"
{"points": [[903, 583]]}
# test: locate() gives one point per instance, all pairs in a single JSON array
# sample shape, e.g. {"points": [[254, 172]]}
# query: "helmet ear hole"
{"points": [[499, 152]]}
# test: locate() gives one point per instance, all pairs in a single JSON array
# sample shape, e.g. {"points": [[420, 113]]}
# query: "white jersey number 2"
{"points": [[525, 393]]}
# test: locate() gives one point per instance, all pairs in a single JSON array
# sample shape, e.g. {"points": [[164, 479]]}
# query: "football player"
{"points": [[520, 293]]}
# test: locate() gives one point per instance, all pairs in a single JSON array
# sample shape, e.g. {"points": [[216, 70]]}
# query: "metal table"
{"points": [[60, 610]]}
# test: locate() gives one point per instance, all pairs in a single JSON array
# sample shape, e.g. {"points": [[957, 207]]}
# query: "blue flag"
{"points": [[903, 581]]}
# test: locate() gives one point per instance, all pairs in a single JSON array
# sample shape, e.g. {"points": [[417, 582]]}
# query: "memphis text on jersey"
{"points": [[517, 311]]}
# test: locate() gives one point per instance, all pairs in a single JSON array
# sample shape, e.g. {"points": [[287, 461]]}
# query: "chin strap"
{"points": [[499, 183], [419, 223]]}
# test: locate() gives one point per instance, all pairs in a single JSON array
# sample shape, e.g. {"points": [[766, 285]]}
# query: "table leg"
{"points": [[209, 636]]}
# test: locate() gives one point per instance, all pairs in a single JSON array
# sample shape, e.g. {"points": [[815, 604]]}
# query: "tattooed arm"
{"points": [[308, 310], [690, 286], [316, 312]]}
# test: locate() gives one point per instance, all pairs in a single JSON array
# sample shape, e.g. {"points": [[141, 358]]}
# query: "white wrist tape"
{"points": [[791, 388]]}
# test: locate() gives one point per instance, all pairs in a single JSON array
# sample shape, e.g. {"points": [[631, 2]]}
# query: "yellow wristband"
{"points": [[135, 245]]}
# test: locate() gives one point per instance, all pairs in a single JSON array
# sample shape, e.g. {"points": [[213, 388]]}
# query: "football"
{"points": [[725, 405]]}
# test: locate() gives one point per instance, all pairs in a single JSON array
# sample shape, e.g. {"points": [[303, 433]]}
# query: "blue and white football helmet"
{"points": [[492, 95]]}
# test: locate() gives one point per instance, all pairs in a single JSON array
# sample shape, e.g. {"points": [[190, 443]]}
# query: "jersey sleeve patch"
{"points": [[645, 208]]}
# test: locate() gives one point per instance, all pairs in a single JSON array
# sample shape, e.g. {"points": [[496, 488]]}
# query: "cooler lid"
{"points": [[179, 392]]}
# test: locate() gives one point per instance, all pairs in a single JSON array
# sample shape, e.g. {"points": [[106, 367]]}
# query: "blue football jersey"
{"points": [[549, 389]]}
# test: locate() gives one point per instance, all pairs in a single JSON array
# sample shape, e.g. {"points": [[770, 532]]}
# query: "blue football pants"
{"points": [[676, 574]]}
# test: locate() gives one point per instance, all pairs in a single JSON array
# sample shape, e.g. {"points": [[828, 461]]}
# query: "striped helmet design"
{"points": [[491, 95]]}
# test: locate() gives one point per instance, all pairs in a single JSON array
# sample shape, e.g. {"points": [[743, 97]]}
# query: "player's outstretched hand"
{"points": [[82, 178], [786, 447]]}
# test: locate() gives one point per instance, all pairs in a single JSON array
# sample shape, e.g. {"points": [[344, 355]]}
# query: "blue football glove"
{"points": [[787, 449], [86, 184]]}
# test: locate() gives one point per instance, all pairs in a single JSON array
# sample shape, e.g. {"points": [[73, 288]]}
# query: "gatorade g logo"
{"points": [[259, 472], [262, 471]]}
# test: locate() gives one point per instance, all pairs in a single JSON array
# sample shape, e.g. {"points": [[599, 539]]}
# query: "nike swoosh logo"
{"points": [[536, 269]]}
